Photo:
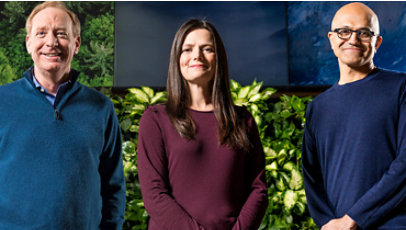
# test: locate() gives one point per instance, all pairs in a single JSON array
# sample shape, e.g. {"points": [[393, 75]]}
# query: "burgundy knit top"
{"points": [[198, 184]]}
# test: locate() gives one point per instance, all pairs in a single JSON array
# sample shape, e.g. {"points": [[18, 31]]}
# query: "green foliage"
{"points": [[6, 72], [85, 9], [12, 35], [100, 28], [280, 126], [96, 55], [16, 12], [129, 110], [17, 54]]}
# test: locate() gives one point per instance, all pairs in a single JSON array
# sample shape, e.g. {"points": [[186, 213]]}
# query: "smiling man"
{"points": [[60, 142], [354, 146]]}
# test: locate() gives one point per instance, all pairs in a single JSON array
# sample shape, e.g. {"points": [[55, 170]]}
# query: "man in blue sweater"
{"points": [[60, 143], [354, 146]]}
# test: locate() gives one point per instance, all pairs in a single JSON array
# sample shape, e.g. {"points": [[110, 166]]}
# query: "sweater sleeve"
{"points": [[254, 208], [154, 177], [390, 190], [316, 195], [112, 176]]}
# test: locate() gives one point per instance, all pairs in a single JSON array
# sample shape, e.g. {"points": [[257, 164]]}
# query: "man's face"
{"points": [[51, 42], [354, 52]]}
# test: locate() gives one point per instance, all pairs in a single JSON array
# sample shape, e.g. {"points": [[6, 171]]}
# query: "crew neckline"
{"points": [[199, 111], [366, 78]]}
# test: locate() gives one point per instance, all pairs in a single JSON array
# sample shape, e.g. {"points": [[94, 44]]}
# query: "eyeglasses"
{"points": [[362, 34]]}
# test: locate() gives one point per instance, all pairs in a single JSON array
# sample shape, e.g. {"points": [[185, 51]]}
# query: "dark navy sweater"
{"points": [[60, 167], [354, 152]]}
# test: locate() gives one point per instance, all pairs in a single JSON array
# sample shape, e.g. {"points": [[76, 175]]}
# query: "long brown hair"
{"points": [[232, 128]]}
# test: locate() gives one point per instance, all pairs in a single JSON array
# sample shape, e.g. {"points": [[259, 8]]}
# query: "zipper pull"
{"points": [[58, 115]]}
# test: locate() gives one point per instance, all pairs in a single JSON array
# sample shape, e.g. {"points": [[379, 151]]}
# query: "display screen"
{"points": [[254, 35], [283, 44]]}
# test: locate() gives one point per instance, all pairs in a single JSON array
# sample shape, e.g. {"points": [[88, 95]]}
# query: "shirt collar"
{"points": [[38, 85], [42, 89], [73, 75], [62, 89]]}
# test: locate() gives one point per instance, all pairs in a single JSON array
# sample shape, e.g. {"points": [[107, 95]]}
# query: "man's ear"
{"points": [[28, 44], [329, 35], [378, 42], [77, 43]]}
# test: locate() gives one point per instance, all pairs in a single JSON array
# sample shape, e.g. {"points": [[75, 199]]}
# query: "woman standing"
{"points": [[200, 159]]}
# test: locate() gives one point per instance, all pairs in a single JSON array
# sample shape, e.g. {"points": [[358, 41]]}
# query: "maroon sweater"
{"points": [[198, 184]]}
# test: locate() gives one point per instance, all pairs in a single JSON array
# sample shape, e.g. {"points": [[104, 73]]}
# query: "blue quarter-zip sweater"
{"points": [[60, 166], [354, 152]]}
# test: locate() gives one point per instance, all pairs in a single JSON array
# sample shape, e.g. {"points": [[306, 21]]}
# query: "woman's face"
{"points": [[198, 59]]}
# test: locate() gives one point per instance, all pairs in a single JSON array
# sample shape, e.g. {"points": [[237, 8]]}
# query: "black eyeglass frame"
{"points": [[356, 31]]}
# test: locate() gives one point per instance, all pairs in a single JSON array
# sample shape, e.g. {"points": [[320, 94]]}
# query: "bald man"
{"points": [[354, 144]]}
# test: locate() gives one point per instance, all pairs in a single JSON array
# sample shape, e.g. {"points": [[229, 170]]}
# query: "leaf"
{"points": [[139, 94], [277, 108], [234, 85], [254, 108], [134, 128], [243, 92], [274, 174], [254, 89], [125, 124], [267, 93], [297, 104], [291, 128], [258, 120], [159, 97], [148, 91], [280, 184], [300, 207], [282, 156], [277, 129], [289, 199], [302, 193], [269, 152], [296, 180], [288, 219], [291, 153], [268, 116], [272, 166], [255, 98], [240, 102], [284, 176], [285, 113], [234, 96], [139, 107], [289, 166]]}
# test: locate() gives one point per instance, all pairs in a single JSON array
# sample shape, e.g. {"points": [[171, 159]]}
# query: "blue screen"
{"points": [[254, 35], [279, 43]]}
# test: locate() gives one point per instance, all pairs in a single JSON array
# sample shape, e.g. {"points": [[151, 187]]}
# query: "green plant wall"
{"points": [[280, 124], [95, 59]]}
